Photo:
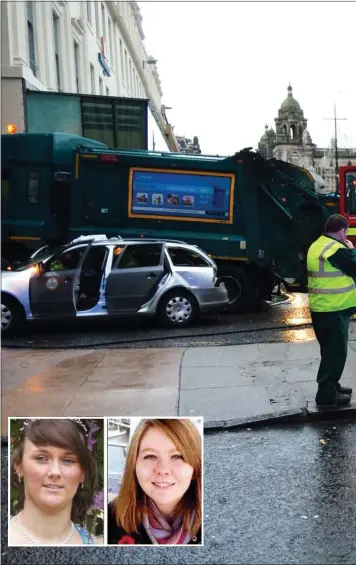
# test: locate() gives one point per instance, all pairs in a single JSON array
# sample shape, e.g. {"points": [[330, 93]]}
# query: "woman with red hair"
{"points": [[160, 499]]}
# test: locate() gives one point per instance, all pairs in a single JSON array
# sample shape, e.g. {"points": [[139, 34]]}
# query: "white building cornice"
{"points": [[58, 6], [78, 26], [138, 18]]}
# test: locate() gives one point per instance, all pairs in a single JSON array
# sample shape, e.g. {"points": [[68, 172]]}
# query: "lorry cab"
{"points": [[36, 173]]}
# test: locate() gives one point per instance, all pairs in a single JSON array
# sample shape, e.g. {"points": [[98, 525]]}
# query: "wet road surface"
{"points": [[289, 321], [272, 495], [283, 322]]}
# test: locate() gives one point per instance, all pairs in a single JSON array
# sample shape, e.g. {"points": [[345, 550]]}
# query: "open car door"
{"points": [[52, 292]]}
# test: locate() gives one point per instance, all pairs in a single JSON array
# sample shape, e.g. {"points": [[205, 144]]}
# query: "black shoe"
{"points": [[337, 399], [343, 389]]}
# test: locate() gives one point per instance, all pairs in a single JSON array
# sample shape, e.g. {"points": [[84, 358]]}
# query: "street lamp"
{"points": [[149, 61]]}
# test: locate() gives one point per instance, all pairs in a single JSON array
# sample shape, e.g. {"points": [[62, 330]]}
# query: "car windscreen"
{"points": [[42, 256]]}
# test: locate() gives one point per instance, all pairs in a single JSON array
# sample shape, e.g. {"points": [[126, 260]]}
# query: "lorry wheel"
{"points": [[11, 315], [178, 308], [241, 288]]}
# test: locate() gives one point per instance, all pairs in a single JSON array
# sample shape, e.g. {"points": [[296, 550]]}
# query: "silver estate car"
{"points": [[97, 276]]}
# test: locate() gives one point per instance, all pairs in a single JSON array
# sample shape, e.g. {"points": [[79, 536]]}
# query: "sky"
{"points": [[225, 67]]}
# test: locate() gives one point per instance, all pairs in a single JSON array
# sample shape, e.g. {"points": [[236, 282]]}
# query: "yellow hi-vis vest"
{"points": [[330, 290]]}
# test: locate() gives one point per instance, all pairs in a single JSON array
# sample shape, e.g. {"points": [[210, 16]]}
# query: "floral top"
{"points": [[86, 537]]}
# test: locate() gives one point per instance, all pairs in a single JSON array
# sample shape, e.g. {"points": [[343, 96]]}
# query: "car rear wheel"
{"points": [[11, 315], [178, 308]]}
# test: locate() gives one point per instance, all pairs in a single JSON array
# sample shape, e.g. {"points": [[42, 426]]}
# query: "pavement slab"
{"points": [[242, 405], [46, 393], [238, 385], [202, 377], [123, 402], [228, 386], [228, 356], [103, 382], [18, 365]]}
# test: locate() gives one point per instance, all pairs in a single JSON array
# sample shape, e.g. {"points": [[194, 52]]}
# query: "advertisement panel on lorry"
{"points": [[182, 195]]}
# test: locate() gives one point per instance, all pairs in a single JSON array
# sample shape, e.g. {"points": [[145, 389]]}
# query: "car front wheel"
{"points": [[178, 308], [11, 315]]}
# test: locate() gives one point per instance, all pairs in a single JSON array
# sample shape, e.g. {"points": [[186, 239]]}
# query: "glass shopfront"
{"points": [[121, 123]]}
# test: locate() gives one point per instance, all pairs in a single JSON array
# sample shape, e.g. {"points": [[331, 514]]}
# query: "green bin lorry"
{"points": [[256, 217]]}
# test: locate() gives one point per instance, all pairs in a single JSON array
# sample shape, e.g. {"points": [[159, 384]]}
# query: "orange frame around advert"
{"points": [[231, 176]]}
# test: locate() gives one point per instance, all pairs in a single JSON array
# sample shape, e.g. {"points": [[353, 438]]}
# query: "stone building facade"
{"points": [[290, 141], [94, 48]]}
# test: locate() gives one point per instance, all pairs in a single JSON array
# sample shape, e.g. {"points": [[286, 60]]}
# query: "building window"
{"points": [[107, 92], [98, 119], [97, 20], [31, 38], [130, 124], [116, 56], [103, 22], [129, 82], [101, 86], [126, 71], [76, 65], [92, 78], [121, 60], [89, 15], [110, 42], [119, 123], [56, 48]]}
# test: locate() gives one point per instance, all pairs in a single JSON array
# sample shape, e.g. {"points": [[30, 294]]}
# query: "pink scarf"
{"points": [[161, 531]]}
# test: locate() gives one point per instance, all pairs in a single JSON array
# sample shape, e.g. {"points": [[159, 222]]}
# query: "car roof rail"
{"points": [[156, 239], [176, 241], [81, 238]]}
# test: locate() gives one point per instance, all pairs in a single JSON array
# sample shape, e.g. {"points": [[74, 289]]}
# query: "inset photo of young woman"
{"points": [[155, 472], [57, 481]]}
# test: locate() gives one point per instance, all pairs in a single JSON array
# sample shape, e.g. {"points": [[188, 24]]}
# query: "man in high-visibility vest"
{"points": [[331, 266]]}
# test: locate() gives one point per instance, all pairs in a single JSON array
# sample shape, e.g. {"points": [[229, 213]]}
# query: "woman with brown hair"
{"points": [[56, 475], [160, 499]]}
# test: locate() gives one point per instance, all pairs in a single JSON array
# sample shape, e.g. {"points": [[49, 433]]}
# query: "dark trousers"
{"points": [[332, 332]]}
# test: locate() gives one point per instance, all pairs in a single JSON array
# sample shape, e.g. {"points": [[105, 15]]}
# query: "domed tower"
{"points": [[267, 142], [290, 123], [293, 143]]}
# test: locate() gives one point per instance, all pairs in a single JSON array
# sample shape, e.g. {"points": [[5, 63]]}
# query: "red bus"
{"points": [[348, 198]]}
